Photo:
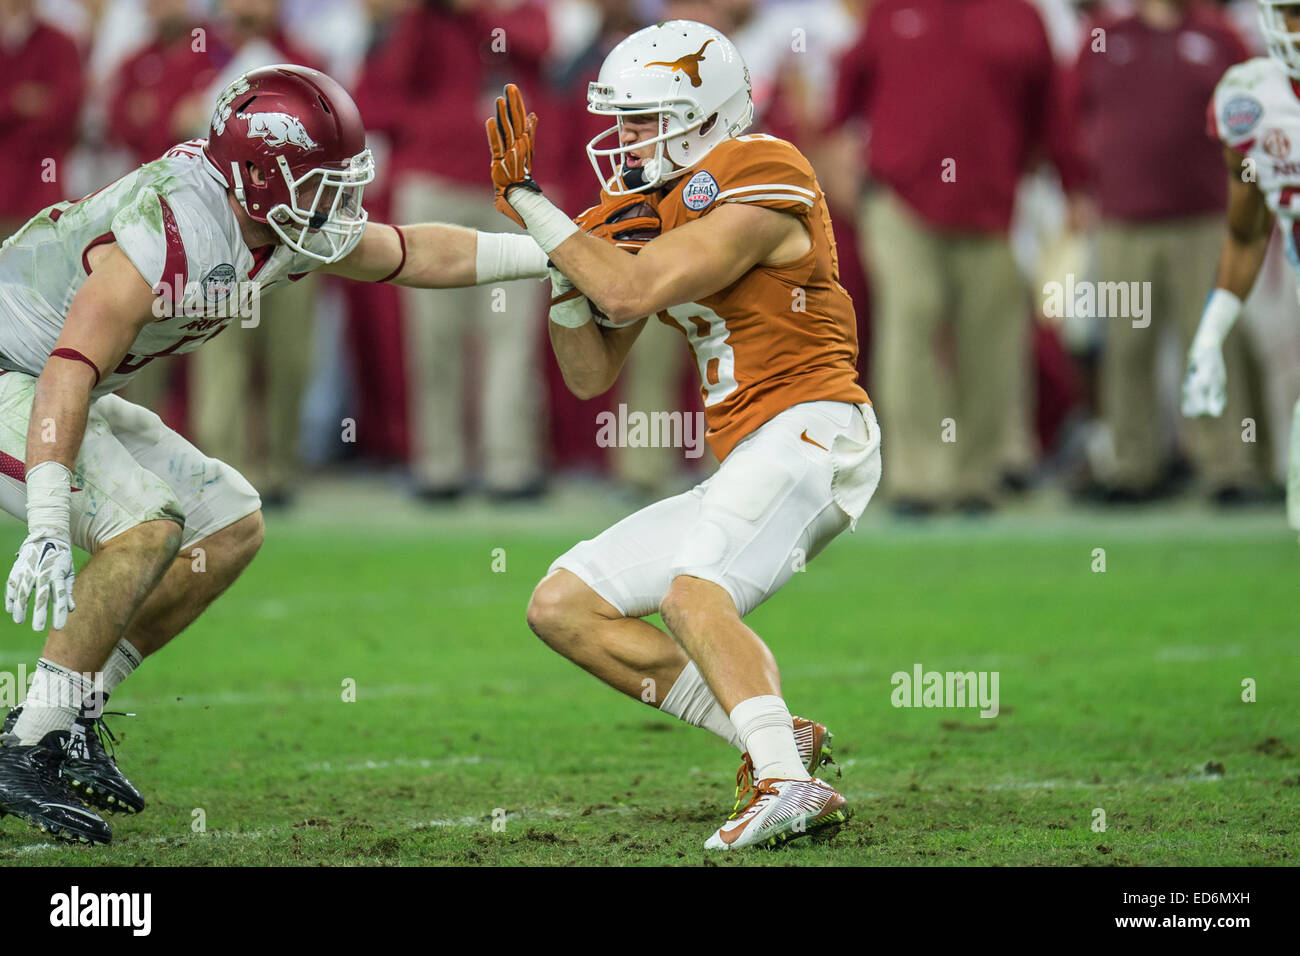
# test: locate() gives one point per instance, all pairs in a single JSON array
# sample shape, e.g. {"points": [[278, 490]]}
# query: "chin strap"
{"points": [[237, 186]]}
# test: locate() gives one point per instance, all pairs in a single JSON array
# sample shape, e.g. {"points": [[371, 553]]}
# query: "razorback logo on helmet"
{"points": [[278, 129], [310, 188], [226, 103]]}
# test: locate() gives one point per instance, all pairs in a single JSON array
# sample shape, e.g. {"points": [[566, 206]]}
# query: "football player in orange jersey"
{"points": [[744, 264]]}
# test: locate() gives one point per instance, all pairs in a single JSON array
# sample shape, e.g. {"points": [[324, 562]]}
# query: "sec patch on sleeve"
{"points": [[701, 189]]}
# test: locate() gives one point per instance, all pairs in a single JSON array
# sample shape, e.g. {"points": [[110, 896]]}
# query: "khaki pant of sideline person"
{"points": [[1178, 257], [222, 391], [931, 283], [505, 318]]}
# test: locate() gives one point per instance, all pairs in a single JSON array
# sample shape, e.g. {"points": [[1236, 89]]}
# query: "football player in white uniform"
{"points": [[1256, 113], [153, 265]]}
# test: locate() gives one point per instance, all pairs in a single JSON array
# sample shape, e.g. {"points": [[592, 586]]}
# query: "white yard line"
{"points": [[242, 698], [421, 763], [1210, 653]]}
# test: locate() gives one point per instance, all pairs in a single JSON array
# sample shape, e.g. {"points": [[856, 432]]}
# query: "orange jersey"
{"points": [[779, 335]]}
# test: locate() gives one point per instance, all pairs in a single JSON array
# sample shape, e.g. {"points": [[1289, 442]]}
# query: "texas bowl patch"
{"points": [[1240, 114], [700, 190], [219, 283]]}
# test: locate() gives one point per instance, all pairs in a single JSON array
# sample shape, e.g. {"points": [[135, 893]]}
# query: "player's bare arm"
{"points": [[687, 264], [439, 256], [683, 265], [693, 261], [1250, 226], [105, 317], [591, 356], [429, 256]]}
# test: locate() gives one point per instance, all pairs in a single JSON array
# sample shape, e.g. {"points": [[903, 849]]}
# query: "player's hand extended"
{"points": [[44, 565], [627, 221], [511, 134], [1206, 386]]}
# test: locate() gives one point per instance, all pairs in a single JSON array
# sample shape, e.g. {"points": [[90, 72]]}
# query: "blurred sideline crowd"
{"points": [[975, 154]]}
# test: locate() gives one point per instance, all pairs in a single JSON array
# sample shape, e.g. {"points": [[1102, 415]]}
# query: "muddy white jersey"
{"points": [[173, 220], [1256, 111]]}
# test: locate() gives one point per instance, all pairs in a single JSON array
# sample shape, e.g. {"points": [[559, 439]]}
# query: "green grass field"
{"points": [[1118, 690]]}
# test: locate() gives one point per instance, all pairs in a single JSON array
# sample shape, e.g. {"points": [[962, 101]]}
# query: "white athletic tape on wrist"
{"points": [[573, 312], [1221, 311], [546, 223], [607, 323], [502, 256], [49, 496]]}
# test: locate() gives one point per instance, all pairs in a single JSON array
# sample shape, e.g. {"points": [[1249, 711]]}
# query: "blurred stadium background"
{"points": [[400, 438], [1105, 156]]}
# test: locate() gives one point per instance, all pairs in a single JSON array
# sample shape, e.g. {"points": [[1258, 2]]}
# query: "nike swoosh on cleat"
{"points": [[730, 836], [805, 437]]}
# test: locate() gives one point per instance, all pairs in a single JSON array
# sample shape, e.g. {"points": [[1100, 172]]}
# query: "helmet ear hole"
{"points": [[708, 124], [254, 174]]}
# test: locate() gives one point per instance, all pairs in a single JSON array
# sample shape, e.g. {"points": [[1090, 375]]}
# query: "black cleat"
{"points": [[91, 771], [32, 790]]}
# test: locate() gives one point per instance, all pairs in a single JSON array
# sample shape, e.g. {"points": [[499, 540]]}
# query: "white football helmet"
{"points": [[688, 74], [1281, 42]]}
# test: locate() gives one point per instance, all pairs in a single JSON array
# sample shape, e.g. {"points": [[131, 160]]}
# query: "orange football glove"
{"points": [[511, 136], [629, 222]]}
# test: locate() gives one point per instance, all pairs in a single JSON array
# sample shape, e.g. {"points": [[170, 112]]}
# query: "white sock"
{"points": [[765, 726], [690, 700], [52, 703], [124, 659]]}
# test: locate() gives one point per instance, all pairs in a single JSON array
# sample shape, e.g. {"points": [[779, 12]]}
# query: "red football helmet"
{"points": [[303, 134]]}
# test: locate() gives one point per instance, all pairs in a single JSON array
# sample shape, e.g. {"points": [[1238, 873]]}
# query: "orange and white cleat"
{"points": [[814, 743], [781, 810]]}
